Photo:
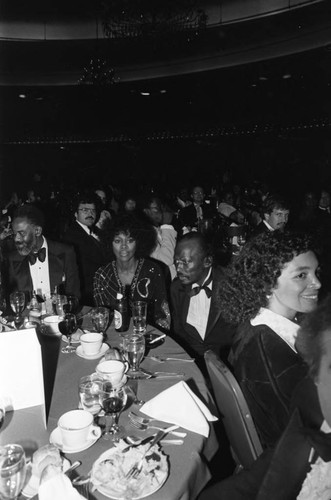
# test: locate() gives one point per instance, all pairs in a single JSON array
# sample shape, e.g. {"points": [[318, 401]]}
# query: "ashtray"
{"points": [[154, 339]]}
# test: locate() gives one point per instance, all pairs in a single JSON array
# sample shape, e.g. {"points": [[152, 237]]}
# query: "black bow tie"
{"points": [[40, 255], [197, 289], [320, 441]]}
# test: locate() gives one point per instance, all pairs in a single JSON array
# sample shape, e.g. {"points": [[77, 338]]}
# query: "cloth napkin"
{"points": [[179, 405], [57, 487]]}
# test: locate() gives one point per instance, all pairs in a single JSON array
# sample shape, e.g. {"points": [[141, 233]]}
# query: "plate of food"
{"points": [[45, 456], [109, 472]]}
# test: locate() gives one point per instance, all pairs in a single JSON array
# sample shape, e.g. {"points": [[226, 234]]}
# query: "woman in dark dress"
{"points": [[130, 273], [272, 280]]}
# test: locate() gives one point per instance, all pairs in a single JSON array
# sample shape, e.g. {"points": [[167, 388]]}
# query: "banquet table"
{"points": [[188, 472]]}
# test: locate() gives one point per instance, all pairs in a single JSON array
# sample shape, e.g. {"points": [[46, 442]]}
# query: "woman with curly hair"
{"points": [[130, 239], [272, 280]]}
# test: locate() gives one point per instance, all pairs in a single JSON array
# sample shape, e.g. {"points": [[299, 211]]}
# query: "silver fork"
{"points": [[144, 424], [163, 359], [137, 467]]}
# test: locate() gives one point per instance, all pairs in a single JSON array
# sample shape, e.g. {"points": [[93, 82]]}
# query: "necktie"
{"points": [[197, 289], [40, 255]]}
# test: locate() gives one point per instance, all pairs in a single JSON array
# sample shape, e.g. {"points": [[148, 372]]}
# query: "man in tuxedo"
{"points": [[275, 215], [39, 264], [85, 238], [189, 217], [197, 321], [286, 472]]}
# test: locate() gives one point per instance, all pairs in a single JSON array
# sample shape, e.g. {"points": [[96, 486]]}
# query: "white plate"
{"points": [[111, 492], [103, 350], [75, 337], [32, 482], [55, 438]]}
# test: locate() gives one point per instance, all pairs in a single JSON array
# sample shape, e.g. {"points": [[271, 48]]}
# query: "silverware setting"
{"points": [[144, 423], [162, 359], [164, 375]]}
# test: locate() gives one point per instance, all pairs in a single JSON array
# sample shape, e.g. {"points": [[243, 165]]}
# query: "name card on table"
{"points": [[21, 371]]}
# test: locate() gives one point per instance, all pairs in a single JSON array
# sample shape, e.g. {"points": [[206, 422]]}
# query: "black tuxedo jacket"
{"points": [[90, 256], [260, 228], [276, 475], [188, 215], [62, 270], [219, 334]]}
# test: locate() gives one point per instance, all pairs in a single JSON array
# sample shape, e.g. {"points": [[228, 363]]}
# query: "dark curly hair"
{"points": [[135, 226], [253, 274], [310, 338]]}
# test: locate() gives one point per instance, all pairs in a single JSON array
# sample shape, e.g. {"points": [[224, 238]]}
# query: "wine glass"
{"points": [[2, 412], [17, 302], [67, 326], [134, 350], [12, 471], [100, 319], [113, 400]]}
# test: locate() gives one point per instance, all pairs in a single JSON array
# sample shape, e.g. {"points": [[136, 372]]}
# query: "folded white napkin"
{"points": [[58, 487], [179, 405]]}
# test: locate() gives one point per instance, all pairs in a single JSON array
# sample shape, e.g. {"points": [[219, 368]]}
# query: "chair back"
{"points": [[238, 422]]}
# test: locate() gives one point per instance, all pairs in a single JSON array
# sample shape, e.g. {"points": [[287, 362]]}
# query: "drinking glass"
{"points": [[2, 412], [68, 326], [134, 350], [113, 400], [139, 312], [71, 304], [17, 302], [100, 319], [12, 471], [89, 390]]}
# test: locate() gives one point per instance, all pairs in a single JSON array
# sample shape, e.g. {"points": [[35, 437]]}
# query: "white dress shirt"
{"points": [[40, 274], [199, 307]]}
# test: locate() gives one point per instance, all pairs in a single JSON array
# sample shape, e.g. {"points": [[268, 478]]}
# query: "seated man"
{"points": [[39, 264], [275, 215], [197, 321], [190, 217], [299, 466]]}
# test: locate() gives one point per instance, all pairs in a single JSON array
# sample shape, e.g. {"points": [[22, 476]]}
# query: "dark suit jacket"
{"points": [[219, 334], [90, 256], [62, 266], [260, 228], [188, 215], [276, 475]]}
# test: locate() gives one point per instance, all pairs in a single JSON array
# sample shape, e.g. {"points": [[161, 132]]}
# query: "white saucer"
{"points": [[32, 482], [56, 439], [103, 350]]}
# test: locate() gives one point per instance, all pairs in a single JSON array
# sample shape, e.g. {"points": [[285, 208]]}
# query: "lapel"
{"points": [[22, 274], [214, 311]]}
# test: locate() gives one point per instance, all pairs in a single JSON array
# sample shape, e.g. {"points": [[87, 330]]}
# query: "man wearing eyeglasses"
{"points": [[85, 238]]}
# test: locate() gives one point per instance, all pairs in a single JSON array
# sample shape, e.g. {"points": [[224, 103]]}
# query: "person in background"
{"points": [[197, 321], [87, 241], [104, 213], [268, 286], [130, 272], [299, 466], [165, 232], [275, 215], [190, 216], [39, 264]]}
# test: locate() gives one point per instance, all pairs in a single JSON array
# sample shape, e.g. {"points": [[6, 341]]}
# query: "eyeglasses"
{"points": [[88, 210]]}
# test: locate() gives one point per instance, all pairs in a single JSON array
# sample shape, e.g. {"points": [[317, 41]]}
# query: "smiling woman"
{"points": [[274, 278]]}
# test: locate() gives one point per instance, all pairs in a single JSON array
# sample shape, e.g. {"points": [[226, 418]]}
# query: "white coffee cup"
{"points": [[91, 343], [51, 323], [112, 370], [76, 427]]}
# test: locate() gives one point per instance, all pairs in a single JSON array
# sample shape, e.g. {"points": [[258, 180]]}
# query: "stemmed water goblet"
{"points": [[12, 471], [112, 400], [68, 326], [100, 319], [17, 303], [134, 350]]}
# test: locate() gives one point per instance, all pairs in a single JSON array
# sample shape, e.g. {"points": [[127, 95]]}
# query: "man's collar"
{"points": [[204, 281], [268, 225], [86, 228]]}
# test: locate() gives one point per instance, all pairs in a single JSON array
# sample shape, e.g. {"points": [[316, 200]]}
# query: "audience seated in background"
{"points": [[129, 272], [197, 321], [39, 264], [299, 466], [86, 239], [272, 280], [190, 216]]}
